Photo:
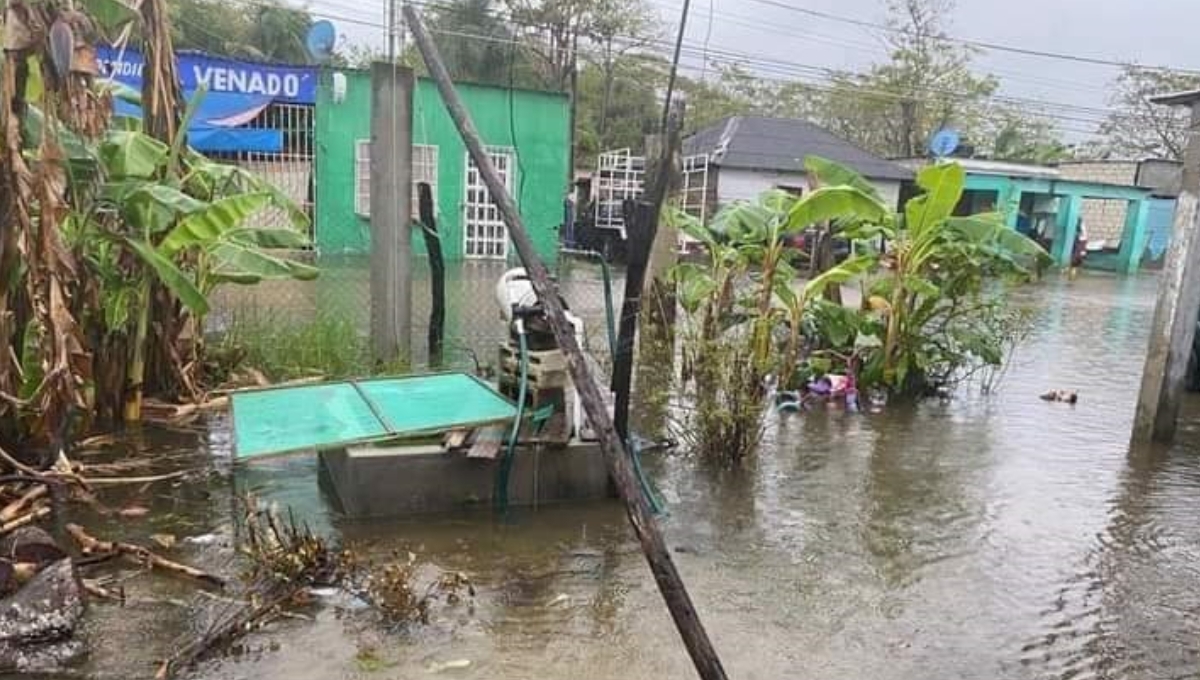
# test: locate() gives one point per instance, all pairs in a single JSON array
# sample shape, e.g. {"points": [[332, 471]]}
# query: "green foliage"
{"points": [[268, 30], [327, 344], [933, 310], [171, 276], [1139, 128]]}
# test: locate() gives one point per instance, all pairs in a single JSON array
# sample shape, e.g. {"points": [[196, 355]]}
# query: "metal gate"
{"points": [[620, 176], [290, 170]]}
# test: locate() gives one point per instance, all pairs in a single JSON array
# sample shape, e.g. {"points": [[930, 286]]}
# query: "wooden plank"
{"points": [[488, 441], [455, 439]]}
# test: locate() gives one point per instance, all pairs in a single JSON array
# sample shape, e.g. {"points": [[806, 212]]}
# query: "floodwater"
{"points": [[997, 537]]}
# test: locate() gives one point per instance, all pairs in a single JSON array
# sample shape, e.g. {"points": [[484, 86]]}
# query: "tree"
{"points": [[1014, 135], [737, 91], [1138, 128], [478, 45], [927, 84], [267, 31], [616, 106]]}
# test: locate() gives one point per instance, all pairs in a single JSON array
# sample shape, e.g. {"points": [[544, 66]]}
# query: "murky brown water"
{"points": [[997, 537]]}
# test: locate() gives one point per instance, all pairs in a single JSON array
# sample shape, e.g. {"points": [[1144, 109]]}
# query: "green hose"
{"points": [[635, 456], [634, 451], [608, 306], [506, 464]]}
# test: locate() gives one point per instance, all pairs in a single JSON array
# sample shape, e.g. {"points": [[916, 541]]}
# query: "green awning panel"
{"points": [[285, 419]]}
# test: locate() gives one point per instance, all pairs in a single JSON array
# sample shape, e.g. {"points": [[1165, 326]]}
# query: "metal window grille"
{"points": [[362, 177], [424, 169], [694, 193], [484, 233], [619, 177], [290, 170]]}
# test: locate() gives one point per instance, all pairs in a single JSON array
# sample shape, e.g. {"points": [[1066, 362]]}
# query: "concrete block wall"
{"points": [[1104, 220]]}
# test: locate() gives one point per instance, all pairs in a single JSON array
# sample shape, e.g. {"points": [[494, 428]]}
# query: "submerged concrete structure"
{"points": [[390, 481]]}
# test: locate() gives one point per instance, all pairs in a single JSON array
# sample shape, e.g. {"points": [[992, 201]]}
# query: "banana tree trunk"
{"points": [[137, 363]]}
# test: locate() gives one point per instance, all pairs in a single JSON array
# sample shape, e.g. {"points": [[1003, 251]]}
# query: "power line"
{"points": [[980, 44], [866, 48], [782, 67]]}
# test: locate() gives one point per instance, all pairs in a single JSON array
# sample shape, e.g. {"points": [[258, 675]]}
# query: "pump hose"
{"points": [[635, 455], [506, 463]]}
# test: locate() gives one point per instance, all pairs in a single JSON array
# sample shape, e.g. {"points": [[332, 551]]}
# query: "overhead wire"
{"points": [[804, 73], [980, 44]]}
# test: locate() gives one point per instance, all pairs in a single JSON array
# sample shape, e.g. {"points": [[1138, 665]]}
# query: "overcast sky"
{"points": [[1153, 32]]}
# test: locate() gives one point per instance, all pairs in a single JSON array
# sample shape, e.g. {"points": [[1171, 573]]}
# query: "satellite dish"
{"points": [[320, 40], [943, 143]]}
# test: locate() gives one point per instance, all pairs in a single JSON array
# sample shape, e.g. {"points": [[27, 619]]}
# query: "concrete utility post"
{"points": [[391, 212], [1175, 315]]}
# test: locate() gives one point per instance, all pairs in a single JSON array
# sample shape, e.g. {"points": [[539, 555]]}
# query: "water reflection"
{"points": [[998, 537]]}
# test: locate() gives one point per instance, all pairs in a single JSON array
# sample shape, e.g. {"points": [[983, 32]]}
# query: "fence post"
{"points": [[391, 212], [659, 307]]}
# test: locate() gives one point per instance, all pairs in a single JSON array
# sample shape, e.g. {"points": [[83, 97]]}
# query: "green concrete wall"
{"points": [[540, 120]]}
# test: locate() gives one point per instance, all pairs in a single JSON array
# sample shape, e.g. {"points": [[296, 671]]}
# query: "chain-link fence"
{"points": [[473, 325]]}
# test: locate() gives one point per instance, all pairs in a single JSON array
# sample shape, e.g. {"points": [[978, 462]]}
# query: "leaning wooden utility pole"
{"points": [[708, 665], [1175, 315]]}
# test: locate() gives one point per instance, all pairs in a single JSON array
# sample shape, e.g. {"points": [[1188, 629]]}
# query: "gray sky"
{"points": [[1157, 32]]}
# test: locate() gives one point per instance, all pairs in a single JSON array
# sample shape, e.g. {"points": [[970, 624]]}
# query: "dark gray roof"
{"points": [[758, 143]]}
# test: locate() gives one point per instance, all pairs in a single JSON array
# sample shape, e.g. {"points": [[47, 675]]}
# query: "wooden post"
{"points": [[642, 230], [659, 310], [391, 212], [708, 665], [1174, 326], [437, 274]]}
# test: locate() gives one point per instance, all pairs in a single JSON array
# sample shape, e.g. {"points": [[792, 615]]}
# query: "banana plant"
{"points": [[183, 217], [935, 260], [759, 230]]}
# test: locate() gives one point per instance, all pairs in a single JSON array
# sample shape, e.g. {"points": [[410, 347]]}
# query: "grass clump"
{"points": [[328, 345]]}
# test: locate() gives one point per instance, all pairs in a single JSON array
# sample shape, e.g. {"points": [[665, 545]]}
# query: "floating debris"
{"points": [[456, 665], [1065, 396]]}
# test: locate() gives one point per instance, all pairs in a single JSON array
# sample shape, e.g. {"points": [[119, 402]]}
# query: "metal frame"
{"points": [[620, 176], [485, 236], [424, 168], [694, 193], [293, 170]]}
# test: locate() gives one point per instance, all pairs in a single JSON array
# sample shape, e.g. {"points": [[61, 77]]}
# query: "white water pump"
{"points": [[519, 302], [514, 291]]}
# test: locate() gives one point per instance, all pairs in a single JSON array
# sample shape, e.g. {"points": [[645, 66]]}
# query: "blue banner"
{"points": [[291, 84]]}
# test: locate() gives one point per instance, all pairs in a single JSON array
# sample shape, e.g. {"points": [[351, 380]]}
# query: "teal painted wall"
{"points": [[540, 120]]}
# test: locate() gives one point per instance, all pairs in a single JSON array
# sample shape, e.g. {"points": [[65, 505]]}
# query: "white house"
{"points": [[750, 154]]}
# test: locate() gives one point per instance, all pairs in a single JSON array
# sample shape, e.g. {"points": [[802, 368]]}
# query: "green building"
{"points": [[527, 132]]}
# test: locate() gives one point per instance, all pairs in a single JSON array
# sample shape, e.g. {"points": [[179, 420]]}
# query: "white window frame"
{"points": [[424, 169], [477, 246], [362, 177]]}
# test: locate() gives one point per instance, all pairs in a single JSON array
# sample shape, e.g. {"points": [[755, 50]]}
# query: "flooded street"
{"points": [[997, 537]]}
